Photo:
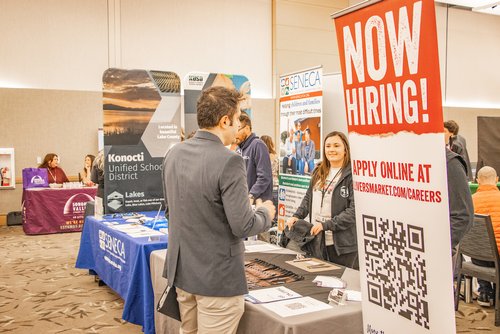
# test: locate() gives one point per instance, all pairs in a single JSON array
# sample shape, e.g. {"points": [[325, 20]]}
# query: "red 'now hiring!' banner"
{"points": [[390, 71]]}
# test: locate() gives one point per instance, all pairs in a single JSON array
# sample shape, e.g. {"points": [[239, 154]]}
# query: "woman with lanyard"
{"points": [[329, 202], [55, 173]]}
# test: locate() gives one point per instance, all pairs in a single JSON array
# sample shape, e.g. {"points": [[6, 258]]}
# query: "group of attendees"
{"points": [[300, 150], [486, 201], [208, 223]]}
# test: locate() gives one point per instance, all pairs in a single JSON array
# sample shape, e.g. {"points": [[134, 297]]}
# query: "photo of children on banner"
{"points": [[297, 148]]}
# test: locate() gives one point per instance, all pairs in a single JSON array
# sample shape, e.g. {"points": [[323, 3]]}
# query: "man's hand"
{"points": [[291, 221], [268, 205]]}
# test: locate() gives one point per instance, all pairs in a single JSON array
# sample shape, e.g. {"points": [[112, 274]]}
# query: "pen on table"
{"points": [[321, 265]]}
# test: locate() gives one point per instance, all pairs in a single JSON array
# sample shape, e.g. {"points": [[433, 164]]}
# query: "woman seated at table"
{"points": [[329, 202], [87, 167], [55, 173]]}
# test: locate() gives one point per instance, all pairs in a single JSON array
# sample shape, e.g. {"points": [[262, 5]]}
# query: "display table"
{"points": [[257, 319], [122, 262], [47, 210]]}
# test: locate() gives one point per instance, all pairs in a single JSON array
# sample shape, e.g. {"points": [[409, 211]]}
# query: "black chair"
{"points": [[480, 243]]}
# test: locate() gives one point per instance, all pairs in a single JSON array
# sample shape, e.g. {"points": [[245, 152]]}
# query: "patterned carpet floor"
{"points": [[42, 292]]}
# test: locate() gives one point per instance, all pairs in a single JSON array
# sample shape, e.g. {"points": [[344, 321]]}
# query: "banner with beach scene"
{"points": [[142, 117], [195, 82]]}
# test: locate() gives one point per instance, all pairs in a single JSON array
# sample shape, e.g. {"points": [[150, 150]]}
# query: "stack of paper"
{"points": [[297, 306], [270, 295]]}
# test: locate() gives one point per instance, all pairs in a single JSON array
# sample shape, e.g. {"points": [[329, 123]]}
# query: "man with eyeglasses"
{"points": [[257, 161]]}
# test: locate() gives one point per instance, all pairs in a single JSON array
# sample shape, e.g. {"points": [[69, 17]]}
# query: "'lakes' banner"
{"points": [[142, 119], [389, 61]]}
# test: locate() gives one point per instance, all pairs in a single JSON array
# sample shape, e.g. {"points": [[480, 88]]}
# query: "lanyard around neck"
{"points": [[53, 176], [324, 190]]}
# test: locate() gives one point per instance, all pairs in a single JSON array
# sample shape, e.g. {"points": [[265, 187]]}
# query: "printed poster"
{"points": [[195, 82], [142, 119], [390, 70], [301, 108]]}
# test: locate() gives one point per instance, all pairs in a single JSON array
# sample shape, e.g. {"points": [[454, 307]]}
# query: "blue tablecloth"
{"points": [[122, 262]]}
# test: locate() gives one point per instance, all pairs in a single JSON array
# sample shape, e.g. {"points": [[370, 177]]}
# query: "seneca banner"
{"points": [[301, 110], [390, 71], [142, 119]]}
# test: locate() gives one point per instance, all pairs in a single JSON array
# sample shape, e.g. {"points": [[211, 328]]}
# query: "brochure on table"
{"points": [[297, 306]]}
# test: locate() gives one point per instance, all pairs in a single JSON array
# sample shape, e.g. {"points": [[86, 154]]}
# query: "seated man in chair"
{"points": [[487, 202]]}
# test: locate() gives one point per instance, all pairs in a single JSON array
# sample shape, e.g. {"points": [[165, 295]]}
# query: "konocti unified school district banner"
{"points": [[390, 70], [142, 120]]}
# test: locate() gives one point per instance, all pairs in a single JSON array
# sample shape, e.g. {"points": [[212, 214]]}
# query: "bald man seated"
{"points": [[487, 202]]}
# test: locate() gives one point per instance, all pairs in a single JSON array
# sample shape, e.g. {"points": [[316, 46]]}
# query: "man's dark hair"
{"points": [[452, 126], [245, 120], [284, 136], [215, 103], [308, 131]]}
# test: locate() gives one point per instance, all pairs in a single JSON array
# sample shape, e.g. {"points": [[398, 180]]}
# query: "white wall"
{"points": [[228, 36], [53, 44], [473, 68], [63, 44]]}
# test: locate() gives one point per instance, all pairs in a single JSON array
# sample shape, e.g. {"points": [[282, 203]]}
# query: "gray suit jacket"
{"points": [[209, 212]]}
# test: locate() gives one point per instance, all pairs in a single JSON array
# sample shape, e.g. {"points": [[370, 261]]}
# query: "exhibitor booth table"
{"points": [[122, 262], [345, 319], [47, 210]]}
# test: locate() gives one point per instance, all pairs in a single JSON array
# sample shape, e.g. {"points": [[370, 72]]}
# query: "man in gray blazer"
{"points": [[206, 195]]}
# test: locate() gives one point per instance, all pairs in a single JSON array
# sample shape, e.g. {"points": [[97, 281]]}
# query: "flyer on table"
{"points": [[301, 108], [389, 61]]}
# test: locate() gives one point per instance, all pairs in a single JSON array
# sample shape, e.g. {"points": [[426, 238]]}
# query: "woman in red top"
{"points": [[56, 174]]}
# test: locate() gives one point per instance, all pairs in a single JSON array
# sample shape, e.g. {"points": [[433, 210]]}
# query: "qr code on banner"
{"points": [[395, 267]]}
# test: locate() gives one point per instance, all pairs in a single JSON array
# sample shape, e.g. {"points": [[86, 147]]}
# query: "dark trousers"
{"points": [[293, 165], [349, 260], [484, 286]]}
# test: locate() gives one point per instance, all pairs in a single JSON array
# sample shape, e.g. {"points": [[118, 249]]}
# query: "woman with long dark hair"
{"points": [[55, 173], [84, 175], [329, 202]]}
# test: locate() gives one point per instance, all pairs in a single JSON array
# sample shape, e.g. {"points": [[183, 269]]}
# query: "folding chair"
{"points": [[479, 243]]}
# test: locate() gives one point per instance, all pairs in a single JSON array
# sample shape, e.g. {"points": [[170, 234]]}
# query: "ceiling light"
{"points": [[492, 8]]}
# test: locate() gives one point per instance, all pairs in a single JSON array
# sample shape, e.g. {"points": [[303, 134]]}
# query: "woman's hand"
{"points": [[316, 229], [291, 221]]}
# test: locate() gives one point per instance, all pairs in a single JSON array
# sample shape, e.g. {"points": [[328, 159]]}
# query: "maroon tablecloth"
{"points": [[55, 210]]}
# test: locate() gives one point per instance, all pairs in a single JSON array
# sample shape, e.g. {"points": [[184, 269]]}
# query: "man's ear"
{"points": [[224, 121]]}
